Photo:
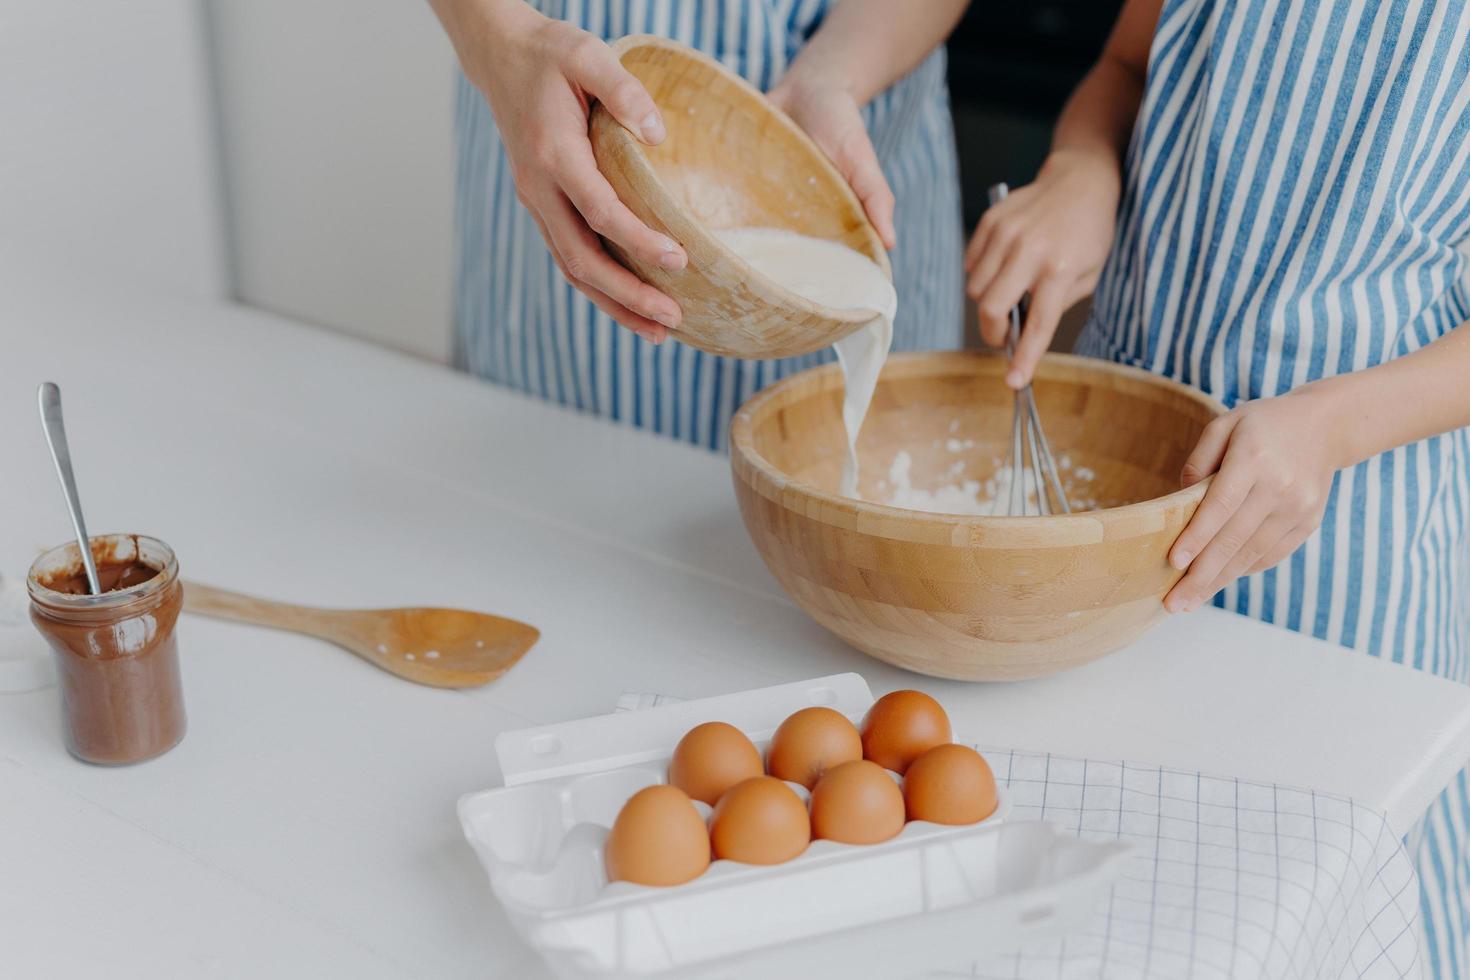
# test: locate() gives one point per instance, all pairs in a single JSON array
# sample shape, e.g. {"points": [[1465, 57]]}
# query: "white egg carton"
{"points": [[934, 897]]}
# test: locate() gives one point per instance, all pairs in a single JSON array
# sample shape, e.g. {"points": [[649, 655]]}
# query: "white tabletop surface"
{"points": [[306, 825]]}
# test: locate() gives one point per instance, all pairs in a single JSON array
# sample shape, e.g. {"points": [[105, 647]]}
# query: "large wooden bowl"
{"points": [[977, 598], [731, 160]]}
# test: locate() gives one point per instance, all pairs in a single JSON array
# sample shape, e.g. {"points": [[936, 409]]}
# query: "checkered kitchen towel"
{"points": [[1229, 878]]}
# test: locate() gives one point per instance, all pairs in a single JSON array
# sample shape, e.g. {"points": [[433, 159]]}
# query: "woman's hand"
{"points": [[1050, 239], [829, 113], [540, 77], [1273, 461]]}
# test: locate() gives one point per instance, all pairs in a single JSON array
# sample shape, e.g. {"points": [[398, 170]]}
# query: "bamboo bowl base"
{"points": [[975, 598]]}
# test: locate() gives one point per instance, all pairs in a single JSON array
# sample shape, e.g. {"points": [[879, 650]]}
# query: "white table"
{"points": [[306, 824]]}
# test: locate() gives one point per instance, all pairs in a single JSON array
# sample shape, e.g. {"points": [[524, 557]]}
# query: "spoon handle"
{"points": [[49, 398], [206, 600]]}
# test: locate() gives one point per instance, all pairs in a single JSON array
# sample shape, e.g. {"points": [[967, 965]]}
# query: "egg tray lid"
{"points": [[630, 738]]}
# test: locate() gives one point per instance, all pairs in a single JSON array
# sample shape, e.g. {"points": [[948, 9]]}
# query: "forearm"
{"points": [[1098, 119], [540, 76], [1404, 400], [867, 45], [474, 25]]}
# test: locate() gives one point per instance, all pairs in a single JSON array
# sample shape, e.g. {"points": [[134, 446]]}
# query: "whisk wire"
{"points": [[1048, 461], [1034, 468], [1017, 491]]}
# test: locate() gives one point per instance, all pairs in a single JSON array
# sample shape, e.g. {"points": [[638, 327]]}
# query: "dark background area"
{"points": [[1011, 68]]}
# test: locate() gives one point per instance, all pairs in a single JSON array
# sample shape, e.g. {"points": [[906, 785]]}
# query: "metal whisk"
{"points": [[1027, 436]]}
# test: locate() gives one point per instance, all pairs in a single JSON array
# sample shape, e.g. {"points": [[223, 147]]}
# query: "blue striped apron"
{"points": [[1296, 204], [519, 323]]}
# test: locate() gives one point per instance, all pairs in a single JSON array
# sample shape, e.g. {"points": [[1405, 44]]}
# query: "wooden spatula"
{"points": [[438, 647]]}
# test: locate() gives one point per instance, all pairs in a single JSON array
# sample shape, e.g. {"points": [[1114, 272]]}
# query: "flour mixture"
{"points": [[964, 495], [833, 275]]}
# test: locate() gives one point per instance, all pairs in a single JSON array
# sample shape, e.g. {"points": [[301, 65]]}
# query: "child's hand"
{"points": [[1049, 238], [540, 77], [829, 114], [1273, 461]]}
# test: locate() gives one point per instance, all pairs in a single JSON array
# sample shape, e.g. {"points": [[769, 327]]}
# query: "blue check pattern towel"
{"points": [[1231, 879]]}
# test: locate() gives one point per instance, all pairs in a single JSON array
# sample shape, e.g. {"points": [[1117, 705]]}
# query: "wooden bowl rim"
{"points": [[769, 480], [637, 161]]}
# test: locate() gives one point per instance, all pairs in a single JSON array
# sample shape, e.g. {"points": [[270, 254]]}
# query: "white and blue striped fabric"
{"points": [[1297, 203], [519, 323]]}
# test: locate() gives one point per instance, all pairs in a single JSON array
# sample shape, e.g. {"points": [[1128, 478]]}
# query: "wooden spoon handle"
{"points": [[206, 600]]}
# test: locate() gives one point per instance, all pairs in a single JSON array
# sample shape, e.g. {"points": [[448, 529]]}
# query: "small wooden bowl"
{"points": [[731, 160], [975, 598]]}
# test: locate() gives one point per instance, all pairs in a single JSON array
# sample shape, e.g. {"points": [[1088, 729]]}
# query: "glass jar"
{"points": [[115, 652]]}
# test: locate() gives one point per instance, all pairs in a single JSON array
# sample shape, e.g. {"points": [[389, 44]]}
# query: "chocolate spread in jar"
{"points": [[116, 652], [112, 576]]}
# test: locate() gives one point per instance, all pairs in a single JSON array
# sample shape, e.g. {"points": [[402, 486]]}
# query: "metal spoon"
{"points": [[49, 398]]}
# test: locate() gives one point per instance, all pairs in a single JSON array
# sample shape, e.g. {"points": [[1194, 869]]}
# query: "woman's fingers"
{"points": [[1222, 500], [831, 118], [976, 247], [859, 164], [605, 214], [1209, 452], [995, 302], [1284, 548], [586, 263], [594, 67], [1048, 302], [1268, 536], [654, 333], [1236, 532], [988, 251]]}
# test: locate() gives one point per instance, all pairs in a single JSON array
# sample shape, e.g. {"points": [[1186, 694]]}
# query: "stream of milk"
{"points": [[833, 275]]}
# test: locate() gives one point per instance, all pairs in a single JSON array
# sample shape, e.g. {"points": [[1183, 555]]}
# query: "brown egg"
{"points": [[902, 726], [659, 838], [809, 743], [760, 821], [711, 758], [856, 803], [949, 784]]}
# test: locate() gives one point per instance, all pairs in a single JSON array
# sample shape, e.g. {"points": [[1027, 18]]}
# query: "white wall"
{"points": [[106, 159], [336, 133]]}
